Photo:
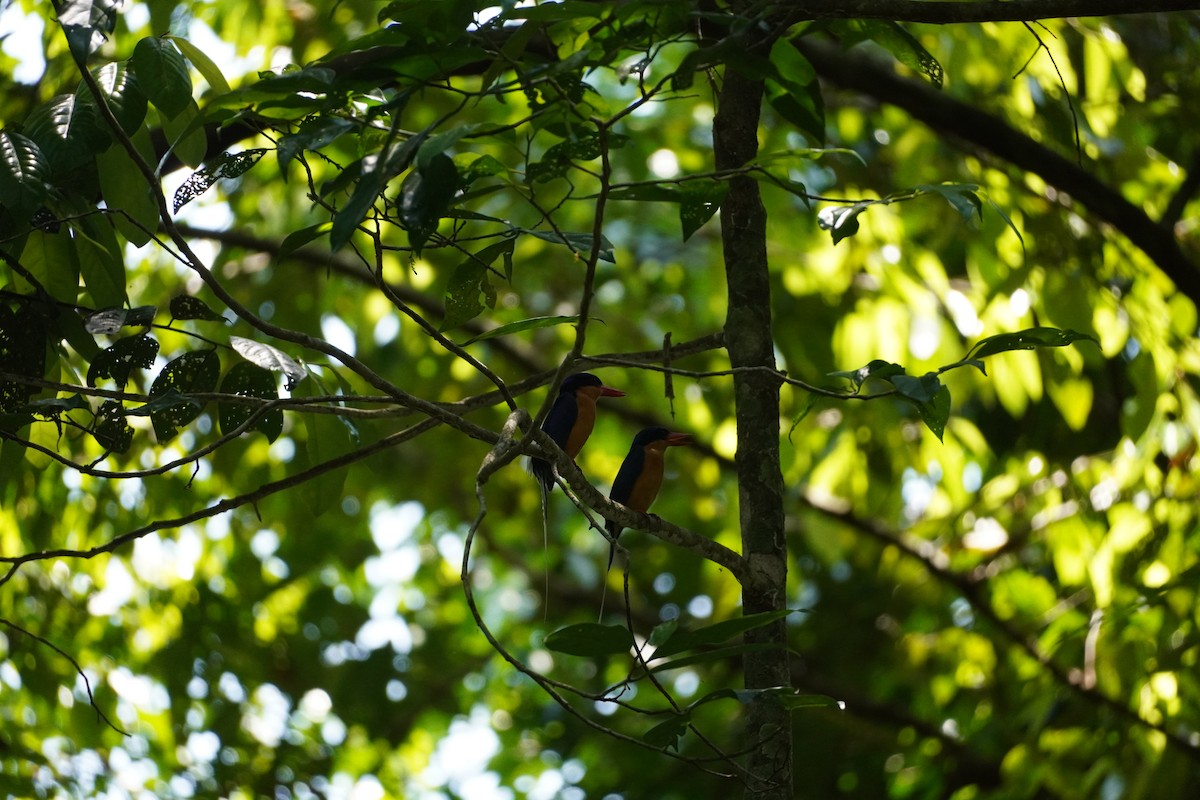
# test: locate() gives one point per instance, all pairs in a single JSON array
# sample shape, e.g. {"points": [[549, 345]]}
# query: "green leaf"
{"points": [[667, 734], [327, 438], [68, 130], [187, 307], [1028, 339], [207, 68], [920, 390], [786, 696], [118, 85], [297, 239], [533, 323], [163, 75], [87, 25], [896, 40], [101, 263], [186, 134], [313, 134], [935, 411], [50, 258], [125, 191], [268, 357], [875, 369], [119, 359], [468, 280], [718, 632], [591, 639], [714, 656], [963, 197], [191, 372], [579, 243], [425, 197], [226, 165], [247, 380], [24, 173], [793, 91]]}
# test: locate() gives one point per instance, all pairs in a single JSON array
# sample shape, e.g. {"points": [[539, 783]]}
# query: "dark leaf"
{"points": [[187, 307], [121, 93], [87, 25], [24, 173], [718, 632], [699, 201], [667, 734], [23, 341], [191, 372], [162, 75], [876, 369], [119, 359], [425, 197], [590, 639], [580, 243], [68, 131], [1028, 339], [920, 390], [533, 323], [840, 221], [468, 280], [312, 135], [247, 380], [226, 165], [110, 428]]}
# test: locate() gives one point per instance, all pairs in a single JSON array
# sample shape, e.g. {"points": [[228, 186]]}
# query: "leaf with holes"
{"points": [[247, 380], [190, 373], [23, 336], [185, 306], [226, 165], [110, 428], [468, 281], [268, 357], [120, 358]]}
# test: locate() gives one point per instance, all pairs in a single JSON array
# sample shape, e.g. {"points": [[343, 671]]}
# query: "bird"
{"points": [[641, 475], [571, 420]]}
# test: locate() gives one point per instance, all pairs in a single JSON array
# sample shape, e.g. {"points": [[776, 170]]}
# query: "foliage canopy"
{"points": [[281, 286]]}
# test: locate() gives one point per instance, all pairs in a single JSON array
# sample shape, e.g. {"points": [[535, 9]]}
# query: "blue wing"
{"points": [[557, 426]]}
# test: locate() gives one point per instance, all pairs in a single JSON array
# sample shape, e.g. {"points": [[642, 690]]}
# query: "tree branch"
{"points": [[941, 12], [943, 113]]}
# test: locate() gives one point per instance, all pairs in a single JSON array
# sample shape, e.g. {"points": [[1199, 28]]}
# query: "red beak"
{"points": [[608, 391], [677, 439]]}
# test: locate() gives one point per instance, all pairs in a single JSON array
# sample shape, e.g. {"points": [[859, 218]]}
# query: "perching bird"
{"points": [[641, 475], [571, 419]]}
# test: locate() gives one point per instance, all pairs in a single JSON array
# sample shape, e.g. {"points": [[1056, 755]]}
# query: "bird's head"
{"points": [[589, 384], [659, 438]]}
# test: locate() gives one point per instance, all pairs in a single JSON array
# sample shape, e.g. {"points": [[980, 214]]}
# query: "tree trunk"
{"points": [[760, 480]]}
